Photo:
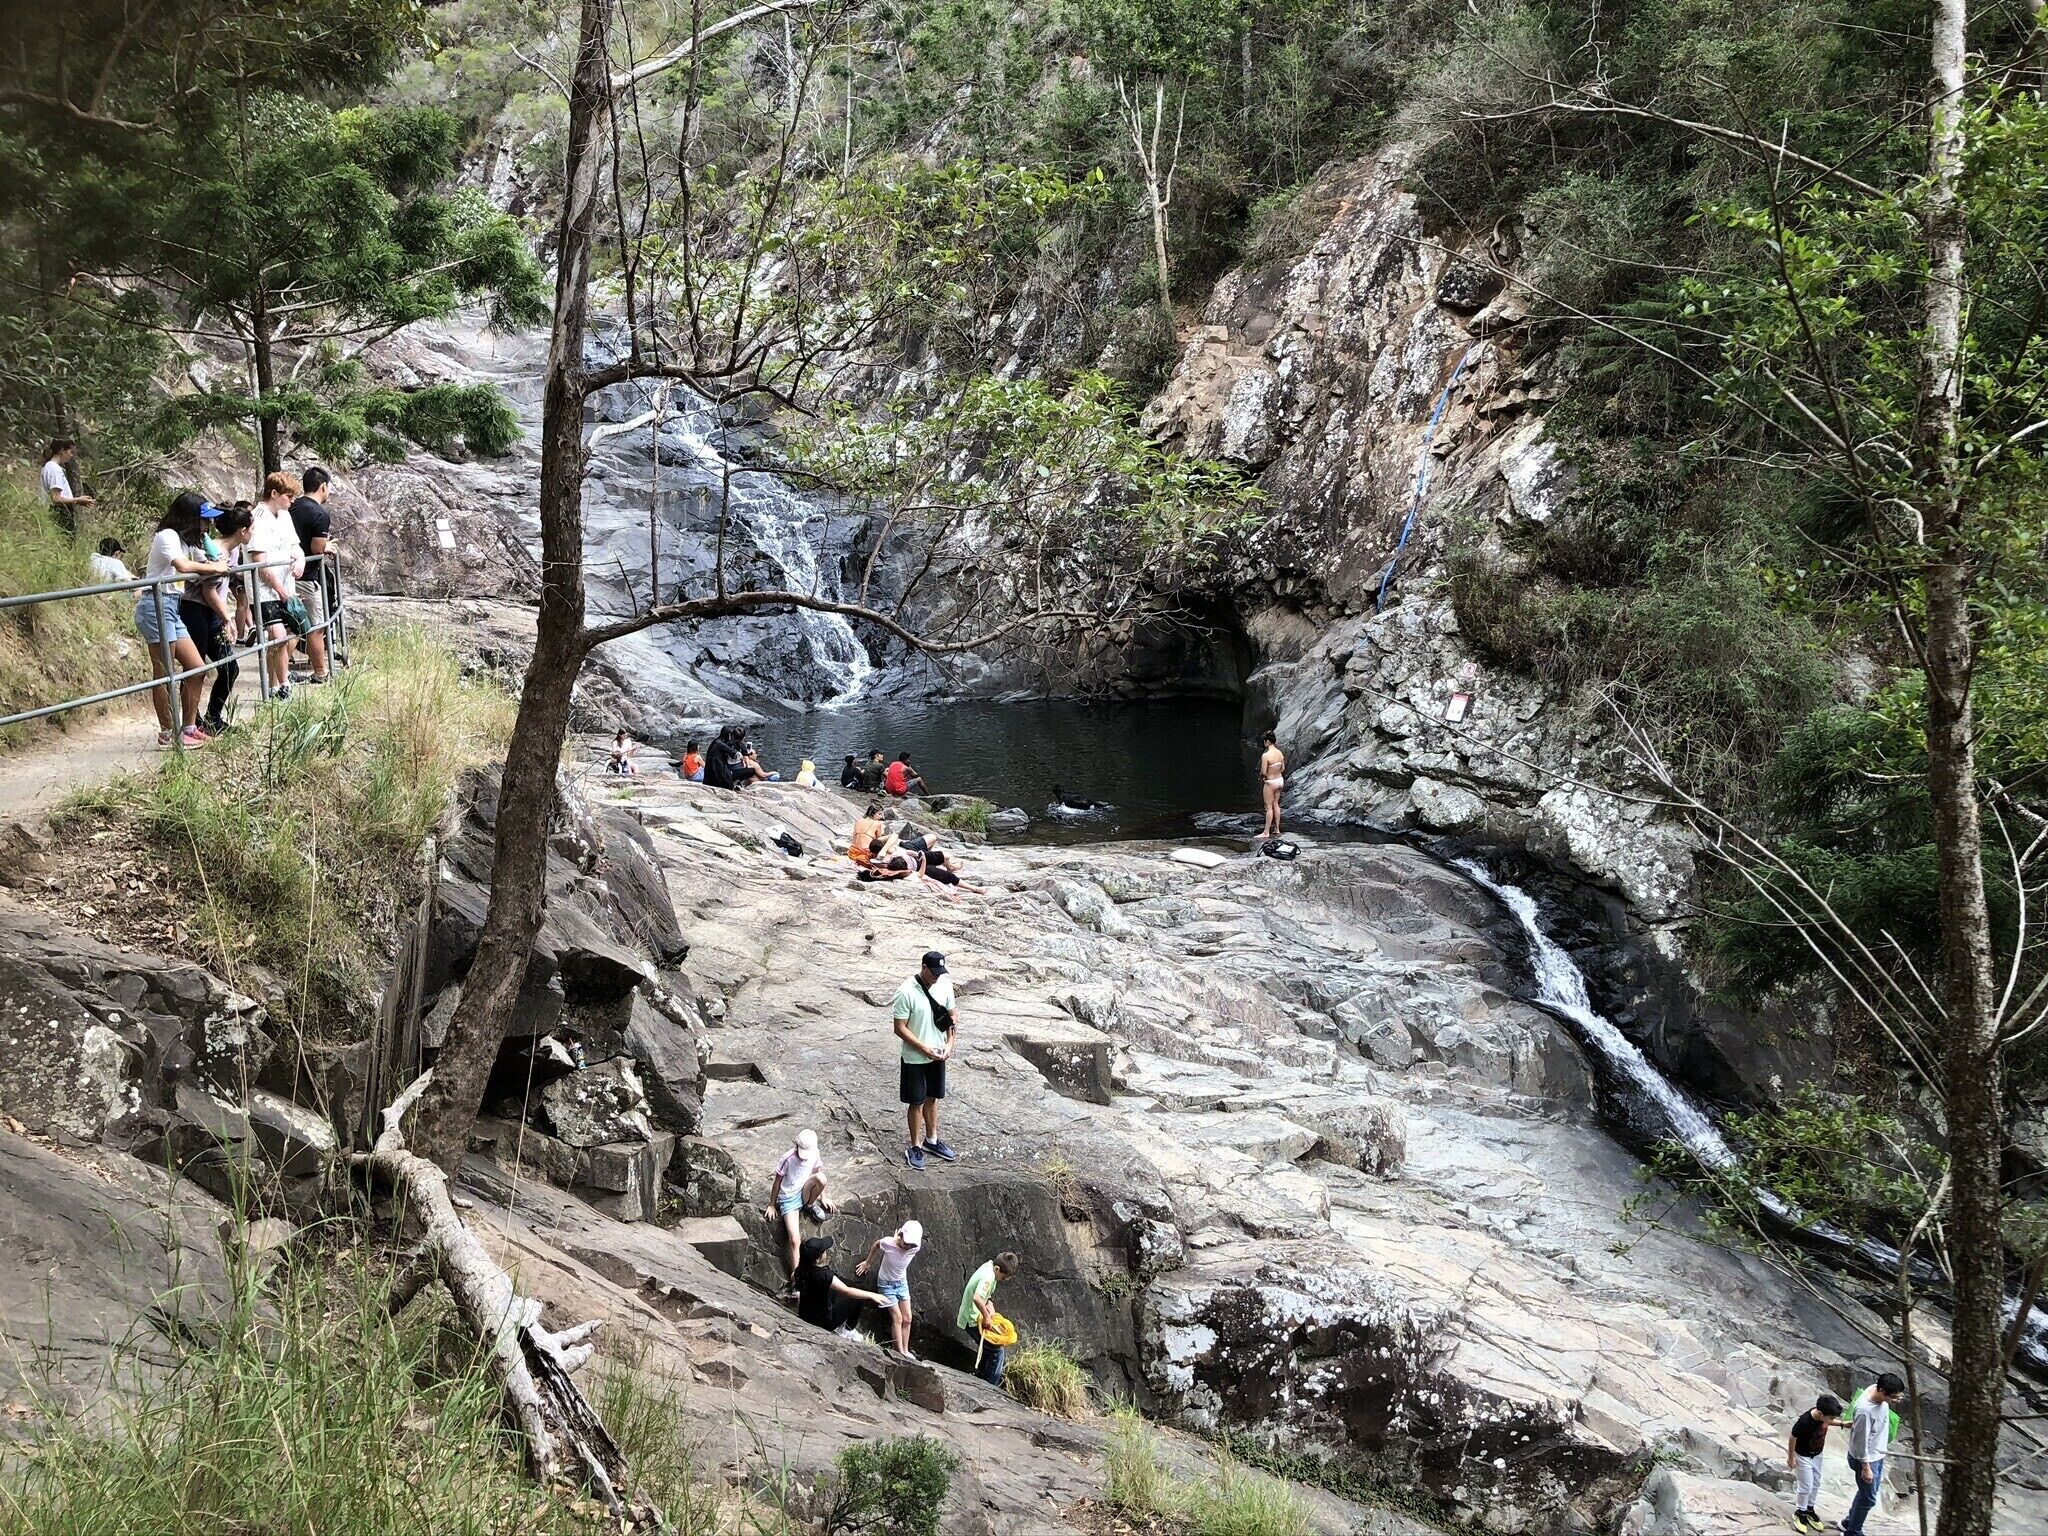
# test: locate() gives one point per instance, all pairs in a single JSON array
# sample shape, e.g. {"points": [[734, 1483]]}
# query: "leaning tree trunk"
{"points": [[1971, 1066], [526, 792]]}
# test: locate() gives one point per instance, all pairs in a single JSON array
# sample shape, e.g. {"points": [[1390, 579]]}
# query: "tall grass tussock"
{"points": [[1046, 1376], [1229, 1499], [294, 841], [55, 651]]}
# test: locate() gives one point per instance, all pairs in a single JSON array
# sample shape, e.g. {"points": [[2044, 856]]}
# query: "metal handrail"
{"points": [[333, 626]]}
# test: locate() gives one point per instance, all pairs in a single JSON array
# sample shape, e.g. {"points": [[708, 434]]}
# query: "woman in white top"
{"points": [[890, 1258], [172, 553], [57, 481]]}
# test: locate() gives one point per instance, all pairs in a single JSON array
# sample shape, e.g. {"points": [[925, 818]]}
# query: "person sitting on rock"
{"points": [[722, 767], [978, 1305], [691, 764], [872, 774], [890, 1258], [823, 1298], [900, 779], [798, 1189], [849, 776], [622, 754], [869, 836]]}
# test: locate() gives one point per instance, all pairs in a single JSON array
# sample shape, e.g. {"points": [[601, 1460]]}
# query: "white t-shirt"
{"points": [[107, 568], [54, 479], [795, 1170], [272, 537], [165, 550], [895, 1261]]}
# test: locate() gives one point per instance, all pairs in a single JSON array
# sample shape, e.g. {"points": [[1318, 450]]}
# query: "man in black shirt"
{"points": [[311, 520], [1803, 1449], [822, 1297]]}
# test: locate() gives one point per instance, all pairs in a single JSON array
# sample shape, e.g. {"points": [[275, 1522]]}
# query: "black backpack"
{"points": [[1280, 848]]}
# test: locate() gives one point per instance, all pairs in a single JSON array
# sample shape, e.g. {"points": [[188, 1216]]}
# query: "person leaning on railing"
{"points": [[272, 539], [173, 552], [215, 611]]}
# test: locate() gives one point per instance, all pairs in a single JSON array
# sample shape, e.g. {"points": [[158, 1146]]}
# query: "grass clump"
{"points": [[969, 816], [1230, 1499], [55, 651], [296, 840], [1047, 1377], [309, 1409], [896, 1486]]}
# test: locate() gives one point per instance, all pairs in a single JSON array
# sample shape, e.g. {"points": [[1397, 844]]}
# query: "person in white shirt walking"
{"points": [[924, 1019], [273, 538], [890, 1258], [57, 463]]}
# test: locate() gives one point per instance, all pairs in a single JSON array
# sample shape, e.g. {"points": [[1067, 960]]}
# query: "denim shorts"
{"points": [[898, 1291], [789, 1201], [173, 629]]}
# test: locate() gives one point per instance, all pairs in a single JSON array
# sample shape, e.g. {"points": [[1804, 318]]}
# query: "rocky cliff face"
{"points": [[1376, 359]]}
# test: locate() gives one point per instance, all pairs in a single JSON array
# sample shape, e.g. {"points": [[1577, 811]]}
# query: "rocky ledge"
{"points": [[1282, 1150]]}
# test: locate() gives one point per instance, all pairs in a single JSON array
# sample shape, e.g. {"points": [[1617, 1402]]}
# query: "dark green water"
{"points": [[1158, 762]]}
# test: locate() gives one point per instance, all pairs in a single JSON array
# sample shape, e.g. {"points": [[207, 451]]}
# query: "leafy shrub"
{"points": [[1047, 1377], [895, 1486]]}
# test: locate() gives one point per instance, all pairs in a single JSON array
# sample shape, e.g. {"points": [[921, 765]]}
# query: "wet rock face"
{"points": [[1323, 376]]}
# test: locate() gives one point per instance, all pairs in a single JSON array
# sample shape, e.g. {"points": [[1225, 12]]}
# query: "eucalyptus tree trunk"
{"points": [[1971, 1067], [526, 791]]}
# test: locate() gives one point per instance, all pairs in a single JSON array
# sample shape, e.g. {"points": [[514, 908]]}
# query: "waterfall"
{"points": [[789, 531], [1561, 985]]}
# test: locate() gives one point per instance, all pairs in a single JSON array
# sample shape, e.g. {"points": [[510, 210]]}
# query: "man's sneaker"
{"points": [[941, 1151], [215, 726], [314, 677], [163, 740], [915, 1157], [847, 1331], [283, 693]]}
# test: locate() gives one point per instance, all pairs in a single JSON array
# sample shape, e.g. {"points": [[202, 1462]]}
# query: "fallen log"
{"points": [[565, 1438]]}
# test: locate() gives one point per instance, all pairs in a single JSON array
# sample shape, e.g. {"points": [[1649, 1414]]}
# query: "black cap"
{"points": [[812, 1247], [935, 962]]}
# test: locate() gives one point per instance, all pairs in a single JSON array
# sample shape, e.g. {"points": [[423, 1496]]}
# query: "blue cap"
{"points": [[210, 510]]}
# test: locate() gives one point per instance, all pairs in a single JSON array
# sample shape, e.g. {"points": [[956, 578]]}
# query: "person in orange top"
{"points": [[692, 765], [867, 842]]}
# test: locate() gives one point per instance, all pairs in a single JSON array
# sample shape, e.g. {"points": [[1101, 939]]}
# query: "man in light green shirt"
{"points": [[978, 1305], [923, 1017]]}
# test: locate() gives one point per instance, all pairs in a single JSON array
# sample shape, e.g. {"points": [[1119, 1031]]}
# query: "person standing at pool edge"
{"points": [[1272, 775], [922, 1014]]}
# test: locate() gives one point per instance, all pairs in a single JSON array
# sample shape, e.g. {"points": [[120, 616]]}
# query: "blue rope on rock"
{"points": [[1421, 477]]}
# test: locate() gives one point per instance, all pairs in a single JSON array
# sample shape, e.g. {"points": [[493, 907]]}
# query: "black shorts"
{"points": [[922, 1080], [269, 613]]}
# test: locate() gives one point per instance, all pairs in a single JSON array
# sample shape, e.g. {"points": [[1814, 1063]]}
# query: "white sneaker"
{"points": [[847, 1331]]}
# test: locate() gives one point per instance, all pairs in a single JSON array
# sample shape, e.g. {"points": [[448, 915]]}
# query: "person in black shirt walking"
{"points": [[822, 1297], [310, 519], [1803, 1448]]}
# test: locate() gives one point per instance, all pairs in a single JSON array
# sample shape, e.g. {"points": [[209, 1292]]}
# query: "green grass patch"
{"points": [[966, 816], [1229, 1499], [55, 651], [310, 1409], [1047, 1377], [296, 839]]}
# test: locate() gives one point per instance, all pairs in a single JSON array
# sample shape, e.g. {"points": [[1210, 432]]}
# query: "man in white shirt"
{"points": [[57, 482], [272, 537], [107, 566]]}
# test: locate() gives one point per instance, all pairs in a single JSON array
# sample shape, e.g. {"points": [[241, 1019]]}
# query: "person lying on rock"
{"points": [[823, 1298], [921, 847], [890, 1258], [923, 1018], [798, 1190], [978, 1305]]}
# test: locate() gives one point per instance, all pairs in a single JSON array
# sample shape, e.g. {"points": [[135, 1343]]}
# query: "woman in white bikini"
{"points": [[1272, 774]]}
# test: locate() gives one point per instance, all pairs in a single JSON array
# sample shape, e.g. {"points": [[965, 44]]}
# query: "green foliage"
{"points": [[970, 816], [1046, 1376], [892, 1486], [305, 1409], [55, 651], [296, 840], [1231, 1499]]}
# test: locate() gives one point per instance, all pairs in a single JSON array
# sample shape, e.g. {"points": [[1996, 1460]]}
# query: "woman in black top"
{"points": [[822, 1297]]}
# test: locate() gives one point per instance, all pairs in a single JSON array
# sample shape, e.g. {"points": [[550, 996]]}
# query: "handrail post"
{"points": [[337, 629], [172, 682]]}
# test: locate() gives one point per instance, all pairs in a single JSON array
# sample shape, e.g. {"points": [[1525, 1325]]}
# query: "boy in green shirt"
{"points": [[978, 1305]]}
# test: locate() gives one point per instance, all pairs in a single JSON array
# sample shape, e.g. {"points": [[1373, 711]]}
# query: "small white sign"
{"points": [[447, 534], [1460, 703]]}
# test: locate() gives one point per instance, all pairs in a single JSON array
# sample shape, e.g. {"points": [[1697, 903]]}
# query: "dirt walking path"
{"points": [[36, 777]]}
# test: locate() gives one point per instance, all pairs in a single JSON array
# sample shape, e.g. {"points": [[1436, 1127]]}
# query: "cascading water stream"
{"points": [[1561, 985]]}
